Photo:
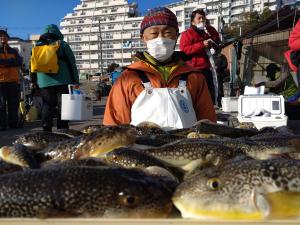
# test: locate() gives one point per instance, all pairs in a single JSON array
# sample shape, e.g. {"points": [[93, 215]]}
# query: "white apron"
{"points": [[170, 108]]}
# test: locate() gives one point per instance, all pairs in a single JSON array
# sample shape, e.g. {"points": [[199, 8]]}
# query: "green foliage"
{"points": [[247, 22]]}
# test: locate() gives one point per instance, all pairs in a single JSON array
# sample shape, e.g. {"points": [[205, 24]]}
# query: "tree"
{"points": [[265, 14], [247, 22]]}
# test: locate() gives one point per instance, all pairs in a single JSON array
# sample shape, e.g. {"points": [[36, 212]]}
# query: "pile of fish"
{"points": [[208, 171]]}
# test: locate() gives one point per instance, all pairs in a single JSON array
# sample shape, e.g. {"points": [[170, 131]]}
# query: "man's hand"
{"points": [[260, 84], [34, 86], [206, 43]]}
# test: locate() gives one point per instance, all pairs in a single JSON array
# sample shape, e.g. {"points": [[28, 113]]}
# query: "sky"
{"points": [[25, 17]]}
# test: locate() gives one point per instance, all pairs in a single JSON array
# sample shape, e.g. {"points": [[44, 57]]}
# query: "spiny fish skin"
{"points": [[83, 191], [182, 153], [207, 127], [130, 158], [92, 145], [91, 128], [157, 140], [6, 167], [40, 140], [69, 132], [228, 191], [92, 162], [256, 150], [148, 128], [19, 155]]}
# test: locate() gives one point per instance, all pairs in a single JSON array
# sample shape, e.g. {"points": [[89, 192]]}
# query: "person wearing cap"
{"points": [[281, 82], [52, 86], [195, 43], [159, 86], [10, 64]]}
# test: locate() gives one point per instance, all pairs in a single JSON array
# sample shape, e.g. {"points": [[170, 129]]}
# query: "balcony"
{"points": [[237, 12], [125, 56], [88, 48], [88, 66], [117, 46], [87, 57], [125, 36]]}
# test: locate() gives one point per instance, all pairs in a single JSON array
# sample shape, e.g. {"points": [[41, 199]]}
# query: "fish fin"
{"points": [[280, 156], [193, 165], [279, 205], [261, 204]]}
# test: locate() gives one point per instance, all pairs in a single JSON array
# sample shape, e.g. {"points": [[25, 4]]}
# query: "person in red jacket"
{"points": [[293, 55], [194, 42]]}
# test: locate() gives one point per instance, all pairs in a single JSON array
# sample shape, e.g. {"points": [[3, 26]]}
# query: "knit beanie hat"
{"points": [[159, 16], [4, 32]]}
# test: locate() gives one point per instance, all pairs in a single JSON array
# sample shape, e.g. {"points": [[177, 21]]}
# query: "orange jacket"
{"points": [[128, 86], [10, 62]]}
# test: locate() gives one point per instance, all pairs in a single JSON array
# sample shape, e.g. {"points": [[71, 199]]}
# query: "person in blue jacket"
{"points": [[53, 85], [115, 74]]}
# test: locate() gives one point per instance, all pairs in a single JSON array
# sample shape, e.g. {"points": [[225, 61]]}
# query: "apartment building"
{"points": [[23, 47], [102, 32]]}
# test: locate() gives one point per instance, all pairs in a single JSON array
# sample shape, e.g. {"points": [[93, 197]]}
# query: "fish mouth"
{"points": [[5, 152], [196, 211]]}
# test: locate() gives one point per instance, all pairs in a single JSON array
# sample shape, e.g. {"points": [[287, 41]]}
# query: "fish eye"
{"points": [[114, 157], [213, 184], [128, 200]]}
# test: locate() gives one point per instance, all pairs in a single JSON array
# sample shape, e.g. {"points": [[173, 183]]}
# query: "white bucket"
{"points": [[76, 106]]}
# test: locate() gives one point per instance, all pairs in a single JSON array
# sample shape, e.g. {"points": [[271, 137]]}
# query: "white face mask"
{"points": [[161, 48], [200, 26]]}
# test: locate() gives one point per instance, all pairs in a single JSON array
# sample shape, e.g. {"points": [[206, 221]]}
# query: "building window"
{"points": [[135, 24], [179, 13], [135, 34], [211, 21], [114, 9]]}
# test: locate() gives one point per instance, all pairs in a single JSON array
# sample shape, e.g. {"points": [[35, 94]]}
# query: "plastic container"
{"points": [[101, 221], [262, 110], [76, 106], [230, 104], [254, 90], [32, 115]]}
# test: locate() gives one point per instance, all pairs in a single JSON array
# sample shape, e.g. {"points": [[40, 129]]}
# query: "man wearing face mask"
{"points": [[159, 87], [196, 41], [10, 63]]}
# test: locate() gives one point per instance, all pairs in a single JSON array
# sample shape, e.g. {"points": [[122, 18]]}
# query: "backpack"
{"points": [[44, 58]]}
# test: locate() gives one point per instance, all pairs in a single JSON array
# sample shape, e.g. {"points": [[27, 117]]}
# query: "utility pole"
{"points": [[90, 59], [122, 36], [220, 20], [100, 47]]}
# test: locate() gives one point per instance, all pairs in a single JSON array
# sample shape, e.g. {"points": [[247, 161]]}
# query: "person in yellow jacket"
{"points": [[10, 63]]}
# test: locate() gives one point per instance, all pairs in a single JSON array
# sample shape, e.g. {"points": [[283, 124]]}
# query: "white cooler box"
{"points": [[262, 110], [76, 107], [230, 104]]}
